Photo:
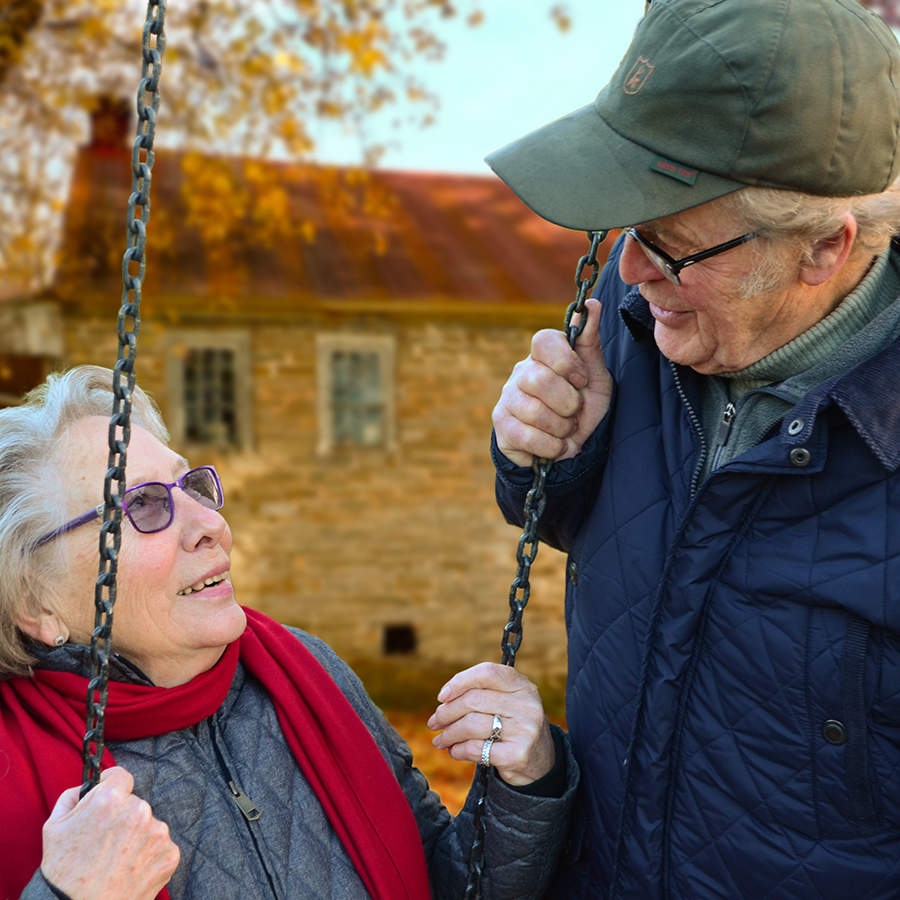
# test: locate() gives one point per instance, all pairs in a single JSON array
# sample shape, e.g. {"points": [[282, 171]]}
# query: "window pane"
{"points": [[209, 397], [357, 399]]}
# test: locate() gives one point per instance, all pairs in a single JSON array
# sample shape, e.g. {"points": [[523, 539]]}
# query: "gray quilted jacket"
{"points": [[291, 851]]}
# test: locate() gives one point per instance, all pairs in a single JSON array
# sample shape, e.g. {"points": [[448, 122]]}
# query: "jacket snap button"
{"points": [[834, 732], [795, 427], [800, 456], [573, 572]]}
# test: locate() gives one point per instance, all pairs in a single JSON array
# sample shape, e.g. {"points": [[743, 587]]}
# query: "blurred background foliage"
{"points": [[241, 78]]}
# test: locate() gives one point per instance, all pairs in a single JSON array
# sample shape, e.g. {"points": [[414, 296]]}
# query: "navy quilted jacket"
{"points": [[734, 645]]}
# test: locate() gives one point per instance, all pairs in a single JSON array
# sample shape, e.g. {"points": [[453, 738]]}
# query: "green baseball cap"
{"points": [[714, 95]]}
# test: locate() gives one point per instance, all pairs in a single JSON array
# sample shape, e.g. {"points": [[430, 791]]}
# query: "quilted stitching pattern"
{"points": [[707, 643], [292, 851]]}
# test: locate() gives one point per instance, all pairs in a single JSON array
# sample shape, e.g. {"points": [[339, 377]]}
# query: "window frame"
{"points": [[384, 347], [178, 342]]}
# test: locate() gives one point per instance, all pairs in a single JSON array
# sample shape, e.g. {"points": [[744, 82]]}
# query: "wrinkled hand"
{"points": [[107, 846], [469, 702], [555, 399]]}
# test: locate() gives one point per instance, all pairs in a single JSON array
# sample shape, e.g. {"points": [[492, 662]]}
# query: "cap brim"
{"points": [[579, 173]]}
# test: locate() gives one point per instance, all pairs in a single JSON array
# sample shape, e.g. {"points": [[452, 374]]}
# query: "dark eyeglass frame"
{"points": [[670, 267], [97, 511]]}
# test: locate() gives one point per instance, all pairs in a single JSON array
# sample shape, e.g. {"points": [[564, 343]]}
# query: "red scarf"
{"points": [[42, 727]]}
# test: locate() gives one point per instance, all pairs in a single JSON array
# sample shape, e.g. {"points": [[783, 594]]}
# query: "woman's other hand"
{"points": [[555, 399], [469, 701], [107, 846]]}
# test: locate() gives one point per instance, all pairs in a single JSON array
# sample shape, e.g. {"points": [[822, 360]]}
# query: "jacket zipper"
{"points": [[247, 807], [244, 803], [724, 433], [697, 427], [725, 424]]}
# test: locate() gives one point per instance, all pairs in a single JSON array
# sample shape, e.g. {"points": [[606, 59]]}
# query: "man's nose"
{"points": [[634, 265]]}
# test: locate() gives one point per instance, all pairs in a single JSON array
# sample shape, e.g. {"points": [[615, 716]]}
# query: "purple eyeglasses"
{"points": [[149, 506]]}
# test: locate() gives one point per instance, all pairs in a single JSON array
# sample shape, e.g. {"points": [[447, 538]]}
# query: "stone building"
{"points": [[334, 343]]}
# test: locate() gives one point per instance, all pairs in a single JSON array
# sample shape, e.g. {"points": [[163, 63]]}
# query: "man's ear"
{"points": [[44, 627], [827, 257]]}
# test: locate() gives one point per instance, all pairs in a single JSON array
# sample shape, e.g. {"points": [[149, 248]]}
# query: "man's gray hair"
{"points": [[791, 222], [808, 218], [32, 493]]}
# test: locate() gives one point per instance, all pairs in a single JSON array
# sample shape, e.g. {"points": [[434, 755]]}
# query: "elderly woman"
{"points": [[244, 760]]}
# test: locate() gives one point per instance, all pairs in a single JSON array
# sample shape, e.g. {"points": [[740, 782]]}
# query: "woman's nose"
{"points": [[202, 524], [635, 266]]}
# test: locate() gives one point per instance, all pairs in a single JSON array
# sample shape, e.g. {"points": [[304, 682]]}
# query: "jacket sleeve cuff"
{"points": [[558, 784], [60, 895], [564, 474], [41, 889], [554, 783]]}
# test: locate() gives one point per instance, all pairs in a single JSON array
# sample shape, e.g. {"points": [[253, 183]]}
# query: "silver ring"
{"points": [[496, 731]]}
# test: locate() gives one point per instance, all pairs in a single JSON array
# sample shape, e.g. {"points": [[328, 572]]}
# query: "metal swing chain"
{"points": [[123, 386], [520, 589]]}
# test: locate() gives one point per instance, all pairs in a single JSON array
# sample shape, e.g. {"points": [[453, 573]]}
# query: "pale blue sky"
{"points": [[508, 76]]}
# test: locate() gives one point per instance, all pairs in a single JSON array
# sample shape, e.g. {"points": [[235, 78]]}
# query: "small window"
{"points": [[357, 398], [399, 639], [356, 406], [210, 398], [208, 383]]}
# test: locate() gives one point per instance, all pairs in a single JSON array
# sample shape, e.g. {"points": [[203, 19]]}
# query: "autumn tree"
{"points": [[240, 77]]}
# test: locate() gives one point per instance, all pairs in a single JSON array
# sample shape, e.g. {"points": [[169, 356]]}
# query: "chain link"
{"points": [[123, 386], [520, 590]]}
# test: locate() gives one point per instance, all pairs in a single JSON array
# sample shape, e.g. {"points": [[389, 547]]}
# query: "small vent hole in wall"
{"points": [[399, 639]]}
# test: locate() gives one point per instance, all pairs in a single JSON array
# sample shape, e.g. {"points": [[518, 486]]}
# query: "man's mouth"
{"points": [[668, 316]]}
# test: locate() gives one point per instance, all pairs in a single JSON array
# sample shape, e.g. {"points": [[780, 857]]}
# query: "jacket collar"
{"points": [[868, 394], [76, 658]]}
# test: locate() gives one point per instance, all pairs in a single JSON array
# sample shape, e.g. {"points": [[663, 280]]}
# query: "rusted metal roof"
{"points": [[227, 233]]}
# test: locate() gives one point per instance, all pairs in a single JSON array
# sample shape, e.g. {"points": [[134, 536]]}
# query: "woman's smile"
{"points": [[204, 584]]}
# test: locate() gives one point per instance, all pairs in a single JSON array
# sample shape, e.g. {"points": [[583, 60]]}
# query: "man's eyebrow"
{"points": [[664, 231]]}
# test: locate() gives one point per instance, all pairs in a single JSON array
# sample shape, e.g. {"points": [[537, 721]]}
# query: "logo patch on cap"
{"points": [[674, 170], [638, 76]]}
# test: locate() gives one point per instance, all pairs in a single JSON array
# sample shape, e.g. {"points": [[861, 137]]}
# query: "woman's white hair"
{"points": [[790, 223], [32, 493]]}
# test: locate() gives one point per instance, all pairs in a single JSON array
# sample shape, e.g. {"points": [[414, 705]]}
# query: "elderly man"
{"points": [[727, 442]]}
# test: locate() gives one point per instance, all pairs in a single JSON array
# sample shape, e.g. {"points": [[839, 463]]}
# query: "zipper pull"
{"points": [[245, 804], [725, 424]]}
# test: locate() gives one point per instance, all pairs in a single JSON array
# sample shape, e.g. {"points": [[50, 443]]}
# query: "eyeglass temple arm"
{"points": [[715, 251], [71, 525]]}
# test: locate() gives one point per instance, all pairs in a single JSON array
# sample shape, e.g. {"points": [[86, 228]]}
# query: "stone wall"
{"points": [[345, 545]]}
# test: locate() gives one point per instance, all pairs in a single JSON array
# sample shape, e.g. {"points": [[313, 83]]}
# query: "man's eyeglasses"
{"points": [[149, 506], [671, 267]]}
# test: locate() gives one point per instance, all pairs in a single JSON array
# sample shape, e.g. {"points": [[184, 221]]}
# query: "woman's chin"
{"points": [[217, 623], [232, 620]]}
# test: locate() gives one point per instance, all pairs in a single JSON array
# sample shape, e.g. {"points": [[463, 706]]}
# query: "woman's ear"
{"points": [[45, 627], [827, 257]]}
